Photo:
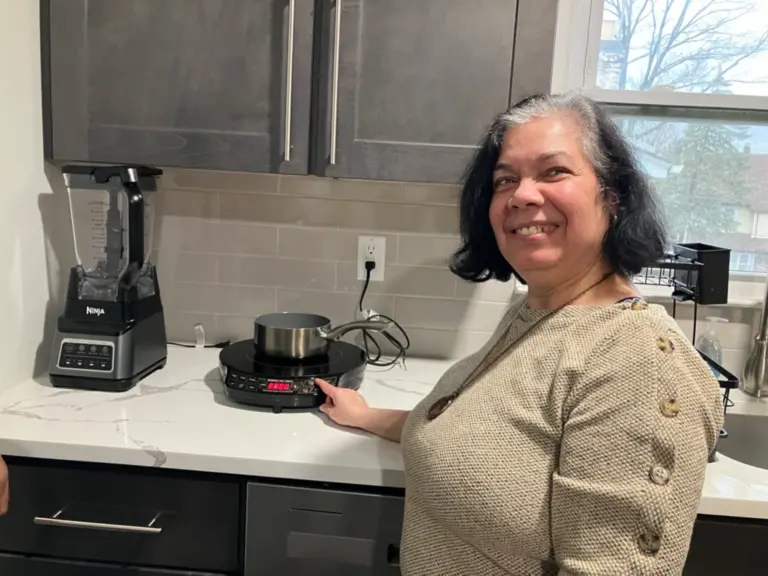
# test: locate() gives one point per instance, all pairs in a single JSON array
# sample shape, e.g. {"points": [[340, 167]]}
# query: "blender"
{"points": [[112, 331]]}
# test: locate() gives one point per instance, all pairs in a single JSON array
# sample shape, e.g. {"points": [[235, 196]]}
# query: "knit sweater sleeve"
{"points": [[638, 426]]}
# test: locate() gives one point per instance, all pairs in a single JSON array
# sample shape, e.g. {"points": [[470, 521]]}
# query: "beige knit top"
{"points": [[582, 451]]}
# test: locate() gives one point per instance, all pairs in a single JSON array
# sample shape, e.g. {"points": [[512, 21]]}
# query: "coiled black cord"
{"points": [[374, 358]]}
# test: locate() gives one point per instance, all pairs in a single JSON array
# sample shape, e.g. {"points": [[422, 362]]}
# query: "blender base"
{"points": [[104, 385]]}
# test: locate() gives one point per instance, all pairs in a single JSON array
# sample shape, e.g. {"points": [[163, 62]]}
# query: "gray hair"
{"points": [[574, 103]]}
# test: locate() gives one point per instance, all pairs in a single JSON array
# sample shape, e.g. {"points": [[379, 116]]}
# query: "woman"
{"points": [[576, 440]]}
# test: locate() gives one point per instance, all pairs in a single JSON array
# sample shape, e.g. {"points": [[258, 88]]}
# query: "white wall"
{"points": [[25, 197]]}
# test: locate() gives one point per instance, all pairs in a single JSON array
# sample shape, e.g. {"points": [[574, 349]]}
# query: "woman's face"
{"points": [[547, 212]]}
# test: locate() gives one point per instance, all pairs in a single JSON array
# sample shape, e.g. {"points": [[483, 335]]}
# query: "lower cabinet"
{"points": [[113, 520], [318, 532], [732, 546], [25, 566]]}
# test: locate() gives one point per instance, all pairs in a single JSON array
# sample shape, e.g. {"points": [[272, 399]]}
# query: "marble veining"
{"points": [[180, 418]]}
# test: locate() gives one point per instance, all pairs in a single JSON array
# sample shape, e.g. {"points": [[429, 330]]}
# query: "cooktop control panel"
{"points": [[79, 354], [304, 386]]}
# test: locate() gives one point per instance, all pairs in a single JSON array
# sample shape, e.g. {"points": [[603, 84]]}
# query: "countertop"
{"points": [[180, 418]]}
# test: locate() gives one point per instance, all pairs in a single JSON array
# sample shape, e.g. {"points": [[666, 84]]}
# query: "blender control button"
{"points": [[93, 349], [79, 363], [67, 362], [69, 348], [105, 349], [103, 365], [252, 387], [91, 364], [81, 347]]}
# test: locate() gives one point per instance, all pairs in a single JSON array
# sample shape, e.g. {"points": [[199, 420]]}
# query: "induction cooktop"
{"points": [[277, 383]]}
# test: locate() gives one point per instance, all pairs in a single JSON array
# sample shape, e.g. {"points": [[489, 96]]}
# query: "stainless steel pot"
{"points": [[298, 335]]}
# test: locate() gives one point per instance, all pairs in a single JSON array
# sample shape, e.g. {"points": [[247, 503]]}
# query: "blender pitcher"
{"points": [[112, 222]]}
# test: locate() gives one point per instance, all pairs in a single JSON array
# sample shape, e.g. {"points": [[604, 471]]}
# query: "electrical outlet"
{"points": [[371, 249]]}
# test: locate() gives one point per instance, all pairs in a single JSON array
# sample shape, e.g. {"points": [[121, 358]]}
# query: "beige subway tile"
{"points": [[218, 299], [227, 237], [400, 280], [278, 210], [426, 250], [443, 344], [328, 244], [349, 215], [444, 314], [278, 272], [338, 307], [180, 326], [186, 267], [369, 190], [234, 328], [186, 203], [220, 181], [490, 291]]}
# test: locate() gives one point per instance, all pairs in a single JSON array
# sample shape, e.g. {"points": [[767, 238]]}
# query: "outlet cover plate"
{"points": [[371, 248]]}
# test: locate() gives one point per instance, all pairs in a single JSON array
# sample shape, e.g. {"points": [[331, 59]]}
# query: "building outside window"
{"points": [[687, 82]]}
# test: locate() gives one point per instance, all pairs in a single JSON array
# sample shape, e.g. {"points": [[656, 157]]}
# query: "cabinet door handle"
{"points": [[289, 80], [61, 522], [335, 82]]}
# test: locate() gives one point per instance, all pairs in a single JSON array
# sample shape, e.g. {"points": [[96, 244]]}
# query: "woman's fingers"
{"points": [[328, 389]]}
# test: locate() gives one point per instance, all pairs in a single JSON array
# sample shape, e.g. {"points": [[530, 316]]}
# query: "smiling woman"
{"points": [[575, 441]]}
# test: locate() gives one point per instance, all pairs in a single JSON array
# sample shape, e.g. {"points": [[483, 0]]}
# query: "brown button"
{"points": [[670, 407], [660, 475], [665, 345], [649, 542], [639, 305]]}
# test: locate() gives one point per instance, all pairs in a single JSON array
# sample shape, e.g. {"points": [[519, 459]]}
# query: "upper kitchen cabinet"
{"points": [[409, 86], [219, 84]]}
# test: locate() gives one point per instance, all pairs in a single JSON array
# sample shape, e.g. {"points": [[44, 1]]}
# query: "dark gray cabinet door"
{"points": [[316, 532], [416, 83], [215, 84], [25, 566]]}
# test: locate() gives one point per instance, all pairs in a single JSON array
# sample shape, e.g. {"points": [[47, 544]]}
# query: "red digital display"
{"points": [[278, 386]]}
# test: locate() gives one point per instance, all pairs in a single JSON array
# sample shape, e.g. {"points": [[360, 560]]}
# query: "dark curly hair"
{"points": [[636, 236]]}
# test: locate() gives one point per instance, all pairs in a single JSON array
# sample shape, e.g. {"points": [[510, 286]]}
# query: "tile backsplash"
{"points": [[230, 246]]}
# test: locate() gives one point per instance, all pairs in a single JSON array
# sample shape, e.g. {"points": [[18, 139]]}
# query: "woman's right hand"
{"points": [[344, 406]]}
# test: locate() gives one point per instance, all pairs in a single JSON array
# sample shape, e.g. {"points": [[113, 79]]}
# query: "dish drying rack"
{"points": [[696, 273]]}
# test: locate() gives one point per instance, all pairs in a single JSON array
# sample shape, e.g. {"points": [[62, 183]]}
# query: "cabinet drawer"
{"points": [[123, 516], [25, 566], [318, 532]]}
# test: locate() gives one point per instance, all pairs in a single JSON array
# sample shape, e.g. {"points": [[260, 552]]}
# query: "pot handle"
{"points": [[339, 331]]}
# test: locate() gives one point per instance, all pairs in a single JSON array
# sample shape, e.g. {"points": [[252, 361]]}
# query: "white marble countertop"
{"points": [[179, 418]]}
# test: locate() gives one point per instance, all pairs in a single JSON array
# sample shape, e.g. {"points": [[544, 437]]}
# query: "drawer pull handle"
{"points": [[61, 522]]}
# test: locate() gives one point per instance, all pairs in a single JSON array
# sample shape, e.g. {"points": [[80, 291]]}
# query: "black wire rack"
{"points": [[683, 276]]}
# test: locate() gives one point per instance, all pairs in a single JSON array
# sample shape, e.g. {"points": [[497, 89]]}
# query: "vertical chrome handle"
{"points": [[289, 80], [335, 83]]}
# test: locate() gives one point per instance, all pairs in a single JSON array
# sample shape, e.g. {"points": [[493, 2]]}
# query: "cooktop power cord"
{"points": [[373, 349]]}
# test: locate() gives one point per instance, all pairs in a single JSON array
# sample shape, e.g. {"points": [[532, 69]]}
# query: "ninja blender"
{"points": [[112, 331]]}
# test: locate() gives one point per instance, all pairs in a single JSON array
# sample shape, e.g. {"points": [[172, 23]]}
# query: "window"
{"points": [[687, 83], [697, 46], [743, 261]]}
